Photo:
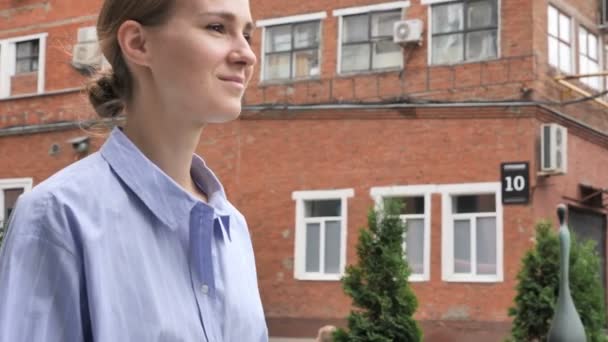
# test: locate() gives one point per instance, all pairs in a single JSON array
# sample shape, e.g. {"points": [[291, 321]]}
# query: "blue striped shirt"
{"points": [[112, 249]]}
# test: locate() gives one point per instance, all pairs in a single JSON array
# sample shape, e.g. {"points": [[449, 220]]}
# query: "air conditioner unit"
{"points": [[553, 149], [407, 31], [87, 53]]}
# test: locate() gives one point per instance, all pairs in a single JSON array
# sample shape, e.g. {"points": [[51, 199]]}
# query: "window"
{"points": [[320, 247], [588, 58], [464, 31], [22, 59], [560, 42], [27, 56], [366, 37], [10, 189], [417, 215], [367, 42], [291, 47], [472, 232]]}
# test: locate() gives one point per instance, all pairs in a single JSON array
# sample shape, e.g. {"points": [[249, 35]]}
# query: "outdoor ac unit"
{"points": [[87, 52], [553, 148], [407, 31]]}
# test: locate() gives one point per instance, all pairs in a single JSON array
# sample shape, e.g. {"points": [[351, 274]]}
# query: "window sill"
{"points": [[318, 277], [267, 83], [350, 74], [465, 62], [48, 93], [418, 278], [467, 278]]}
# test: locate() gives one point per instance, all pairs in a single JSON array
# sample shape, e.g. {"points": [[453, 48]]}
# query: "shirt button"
{"points": [[205, 288]]}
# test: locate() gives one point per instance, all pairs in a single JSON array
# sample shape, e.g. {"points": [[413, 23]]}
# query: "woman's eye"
{"points": [[247, 37], [216, 27]]}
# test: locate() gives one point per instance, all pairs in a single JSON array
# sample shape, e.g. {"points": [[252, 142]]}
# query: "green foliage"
{"points": [[538, 287], [378, 284]]}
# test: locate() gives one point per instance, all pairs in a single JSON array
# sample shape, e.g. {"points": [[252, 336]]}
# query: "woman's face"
{"points": [[201, 60]]}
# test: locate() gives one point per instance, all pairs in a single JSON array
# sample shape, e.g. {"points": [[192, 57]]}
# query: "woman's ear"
{"points": [[132, 40]]}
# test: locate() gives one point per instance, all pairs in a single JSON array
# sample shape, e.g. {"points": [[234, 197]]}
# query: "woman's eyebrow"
{"points": [[229, 17]]}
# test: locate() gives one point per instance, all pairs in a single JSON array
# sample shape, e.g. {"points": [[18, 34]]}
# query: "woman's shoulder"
{"points": [[87, 179]]}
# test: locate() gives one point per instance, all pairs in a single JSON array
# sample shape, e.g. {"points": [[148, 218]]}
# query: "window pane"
{"points": [[481, 45], [582, 41], [462, 246], [306, 63], [278, 38], [386, 55], [447, 49], [486, 245], [306, 35], [313, 243], [553, 52], [592, 46], [34, 64], [332, 246], [485, 203], [552, 13], [277, 66], [564, 27], [447, 18], [355, 57], [323, 208], [10, 199], [382, 23], [27, 49], [409, 204], [565, 58], [481, 14], [414, 245], [356, 28], [22, 66]]}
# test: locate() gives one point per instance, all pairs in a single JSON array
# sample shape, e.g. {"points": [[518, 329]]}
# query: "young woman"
{"points": [[138, 242]]}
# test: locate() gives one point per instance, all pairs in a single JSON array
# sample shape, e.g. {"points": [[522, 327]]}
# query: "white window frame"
{"points": [[429, 32], [573, 40], [588, 80], [300, 237], [447, 235], [379, 193], [12, 183], [293, 19], [342, 12], [8, 61]]}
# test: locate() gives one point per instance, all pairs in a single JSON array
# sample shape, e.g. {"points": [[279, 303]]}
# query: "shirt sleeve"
{"points": [[41, 292]]}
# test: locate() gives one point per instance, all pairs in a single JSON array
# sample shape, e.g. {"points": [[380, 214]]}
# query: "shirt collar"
{"points": [[169, 202]]}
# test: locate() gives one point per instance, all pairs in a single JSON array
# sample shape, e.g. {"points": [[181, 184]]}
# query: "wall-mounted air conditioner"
{"points": [[553, 149], [407, 31], [87, 53]]}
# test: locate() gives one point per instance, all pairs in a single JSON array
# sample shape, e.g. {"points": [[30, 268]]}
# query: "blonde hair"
{"points": [[109, 91]]}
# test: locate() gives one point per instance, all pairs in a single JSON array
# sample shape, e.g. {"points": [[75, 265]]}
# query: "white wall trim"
{"points": [[300, 236], [11, 183], [447, 229], [378, 193], [291, 19], [370, 8], [7, 58], [322, 194]]}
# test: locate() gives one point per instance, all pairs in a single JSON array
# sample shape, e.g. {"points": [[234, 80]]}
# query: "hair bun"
{"points": [[103, 95]]}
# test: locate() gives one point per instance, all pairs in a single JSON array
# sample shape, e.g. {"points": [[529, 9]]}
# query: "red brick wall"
{"points": [[267, 155], [24, 83]]}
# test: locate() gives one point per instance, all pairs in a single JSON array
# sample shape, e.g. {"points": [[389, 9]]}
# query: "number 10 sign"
{"points": [[515, 178]]}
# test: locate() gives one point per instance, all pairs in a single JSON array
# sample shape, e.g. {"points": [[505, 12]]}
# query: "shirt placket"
{"points": [[201, 267]]}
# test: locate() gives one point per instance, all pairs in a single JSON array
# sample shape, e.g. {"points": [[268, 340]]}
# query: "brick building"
{"points": [[339, 117]]}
